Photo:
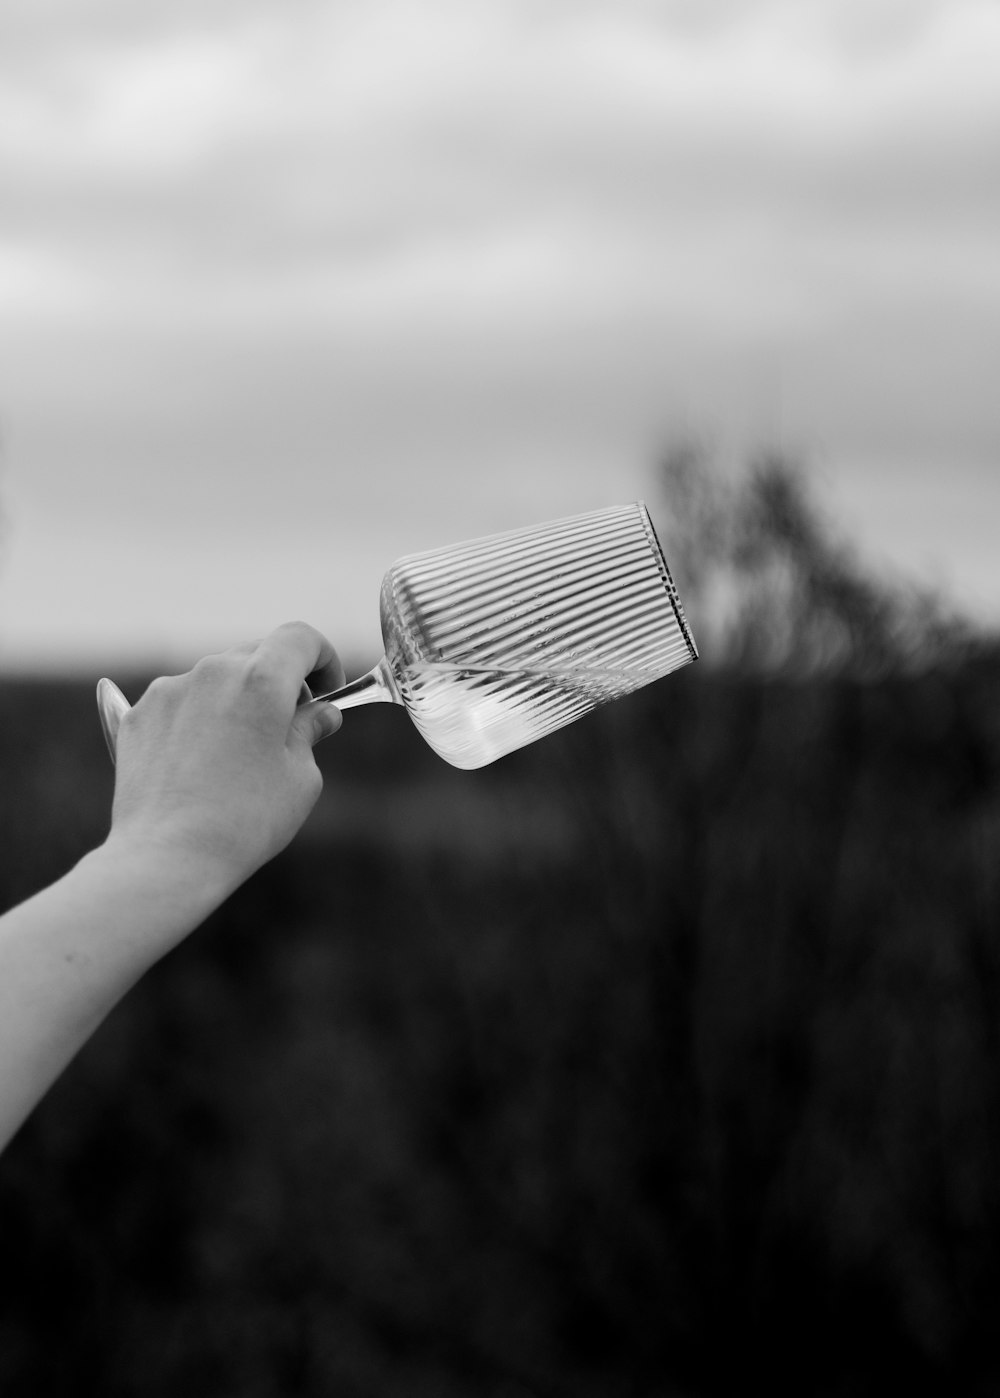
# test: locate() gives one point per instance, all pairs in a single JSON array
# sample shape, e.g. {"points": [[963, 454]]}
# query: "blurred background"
{"points": [[664, 1053]]}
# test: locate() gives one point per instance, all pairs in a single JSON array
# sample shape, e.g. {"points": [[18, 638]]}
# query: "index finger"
{"points": [[294, 650]]}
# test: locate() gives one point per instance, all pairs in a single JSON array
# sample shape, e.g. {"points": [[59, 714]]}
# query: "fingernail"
{"points": [[328, 721]]}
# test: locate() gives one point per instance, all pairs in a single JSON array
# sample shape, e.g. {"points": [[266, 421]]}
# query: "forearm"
{"points": [[215, 775], [70, 953]]}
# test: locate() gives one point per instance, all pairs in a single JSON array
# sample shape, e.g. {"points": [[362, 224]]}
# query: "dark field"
{"points": [[662, 1058]]}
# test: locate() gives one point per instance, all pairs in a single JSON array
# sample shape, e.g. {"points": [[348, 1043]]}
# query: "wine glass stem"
{"points": [[376, 687]]}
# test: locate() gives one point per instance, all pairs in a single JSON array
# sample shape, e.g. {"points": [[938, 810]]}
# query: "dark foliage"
{"points": [[662, 1058]]}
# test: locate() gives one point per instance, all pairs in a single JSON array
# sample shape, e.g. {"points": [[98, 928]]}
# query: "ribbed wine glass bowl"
{"points": [[493, 643]]}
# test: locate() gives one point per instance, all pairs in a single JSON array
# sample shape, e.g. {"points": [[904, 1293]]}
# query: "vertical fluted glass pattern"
{"points": [[496, 642]]}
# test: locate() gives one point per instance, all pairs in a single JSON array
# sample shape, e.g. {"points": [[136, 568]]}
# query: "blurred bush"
{"points": [[770, 584], [661, 1058]]}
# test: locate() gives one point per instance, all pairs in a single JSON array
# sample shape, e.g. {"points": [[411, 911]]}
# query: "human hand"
{"points": [[215, 770]]}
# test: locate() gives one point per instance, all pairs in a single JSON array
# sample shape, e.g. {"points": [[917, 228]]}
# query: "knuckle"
{"points": [[210, 667], [260, 674], [157, 700], [301, 629], [160, 691]]}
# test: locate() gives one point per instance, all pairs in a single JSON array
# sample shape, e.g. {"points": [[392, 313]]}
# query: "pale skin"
{"points": [[215, 775]]}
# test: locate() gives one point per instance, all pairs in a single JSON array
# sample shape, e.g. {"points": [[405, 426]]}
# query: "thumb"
{"points": [[316, 721]]}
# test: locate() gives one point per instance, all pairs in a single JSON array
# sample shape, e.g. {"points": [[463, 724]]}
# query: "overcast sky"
{"points": [[289, 288]]}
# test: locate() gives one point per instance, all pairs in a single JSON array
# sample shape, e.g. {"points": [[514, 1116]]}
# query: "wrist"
{"points": [[173, 889]]}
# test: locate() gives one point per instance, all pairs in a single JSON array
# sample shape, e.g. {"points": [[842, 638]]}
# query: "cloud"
{"points": [[484, 248], [369, 145]]}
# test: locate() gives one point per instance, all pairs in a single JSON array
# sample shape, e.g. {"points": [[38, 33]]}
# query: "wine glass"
{"points": [[495, 642]]}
